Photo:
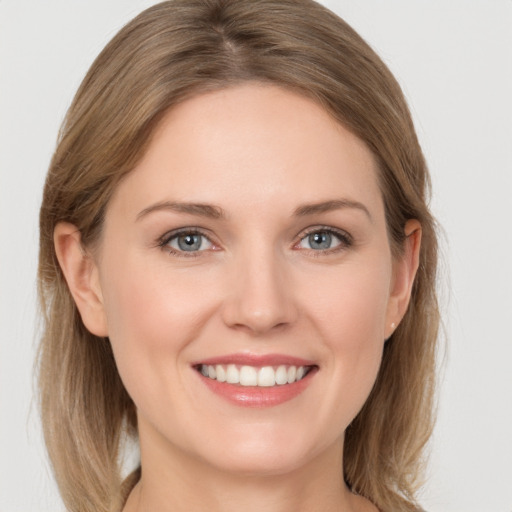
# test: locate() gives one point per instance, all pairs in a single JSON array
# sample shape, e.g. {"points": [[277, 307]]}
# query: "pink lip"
{"points": [[257, 360], [256, 396]]}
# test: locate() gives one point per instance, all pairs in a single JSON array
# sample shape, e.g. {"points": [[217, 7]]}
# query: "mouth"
{"points": [[256, 381], [246, 375]]}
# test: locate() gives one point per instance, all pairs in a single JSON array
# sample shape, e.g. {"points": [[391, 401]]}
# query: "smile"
{"points": [[250, 380], [266, 376]]}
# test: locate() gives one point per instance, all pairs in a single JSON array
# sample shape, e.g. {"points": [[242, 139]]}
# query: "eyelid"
{"points": [[163, 241], [346, 240]]}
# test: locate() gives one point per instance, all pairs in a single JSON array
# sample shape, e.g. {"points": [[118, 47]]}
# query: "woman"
{"points": [[237, 267]]}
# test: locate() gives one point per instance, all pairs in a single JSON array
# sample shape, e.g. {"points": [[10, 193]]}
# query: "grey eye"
{"points": [[321, 240], [189, 242]]}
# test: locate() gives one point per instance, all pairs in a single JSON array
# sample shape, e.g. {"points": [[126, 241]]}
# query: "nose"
{"points": [[260, 297]]}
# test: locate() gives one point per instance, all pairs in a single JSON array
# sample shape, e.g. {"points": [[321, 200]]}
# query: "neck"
{"points": [[185, 484]]}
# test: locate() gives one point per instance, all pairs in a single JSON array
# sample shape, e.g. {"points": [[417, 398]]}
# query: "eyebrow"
{"points": [[216, 212], [327, 206], [200, 209]]}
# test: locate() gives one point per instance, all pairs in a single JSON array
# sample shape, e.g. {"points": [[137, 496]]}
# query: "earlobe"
{"points": [[82, 277], [405, 268]]}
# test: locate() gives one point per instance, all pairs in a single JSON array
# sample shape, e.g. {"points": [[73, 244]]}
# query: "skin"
{"points": [[257, 286]]}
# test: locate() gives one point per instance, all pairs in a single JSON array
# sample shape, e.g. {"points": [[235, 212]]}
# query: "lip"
{"points": [[256, 396], [257, 360]]}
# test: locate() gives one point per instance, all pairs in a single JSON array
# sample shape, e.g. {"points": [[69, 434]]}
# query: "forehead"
{"points": [[252, 144]]}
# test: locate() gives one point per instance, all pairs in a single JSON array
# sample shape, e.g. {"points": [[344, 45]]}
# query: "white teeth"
{"points": [[232, 374], [281, 375], [266, 376], [221, 373], [248, 376]]}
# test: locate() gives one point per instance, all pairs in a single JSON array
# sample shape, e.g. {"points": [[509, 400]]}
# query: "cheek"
{"points": [[350, 314], [151, 319], [350, 305], [150, 304]]}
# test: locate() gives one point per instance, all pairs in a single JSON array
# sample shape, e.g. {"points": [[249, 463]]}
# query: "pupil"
{"points": [[320, 240], [189, 242]]}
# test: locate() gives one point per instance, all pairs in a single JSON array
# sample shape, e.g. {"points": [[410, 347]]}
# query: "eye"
{"points": [[186, 242], [324, 240]]}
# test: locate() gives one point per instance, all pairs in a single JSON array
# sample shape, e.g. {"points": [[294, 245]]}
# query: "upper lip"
{"points": [[258, 360]]}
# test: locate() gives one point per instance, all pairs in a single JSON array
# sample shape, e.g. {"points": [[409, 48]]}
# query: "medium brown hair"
{"points": [[168, 53]]}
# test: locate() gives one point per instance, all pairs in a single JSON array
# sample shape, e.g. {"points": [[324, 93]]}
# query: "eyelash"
{"points": [[345, 241], [165, 240]]}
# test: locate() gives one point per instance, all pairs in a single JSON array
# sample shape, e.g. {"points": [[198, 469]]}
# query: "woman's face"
{"points": [[249, 244]]}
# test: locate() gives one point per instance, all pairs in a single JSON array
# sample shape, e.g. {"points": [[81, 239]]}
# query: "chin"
{"points": [[265, 454]]}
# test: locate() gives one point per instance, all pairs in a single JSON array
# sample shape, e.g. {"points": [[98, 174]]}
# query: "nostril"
{"points": [[260, 298], [259, 328], [258, 321]]}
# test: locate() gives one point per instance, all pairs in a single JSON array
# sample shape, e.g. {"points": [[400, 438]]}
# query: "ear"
{"points": [[404, 272], [82, 277]]}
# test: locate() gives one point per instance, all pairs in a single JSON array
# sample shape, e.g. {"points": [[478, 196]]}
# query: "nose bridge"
{"points": [[261, 297]]}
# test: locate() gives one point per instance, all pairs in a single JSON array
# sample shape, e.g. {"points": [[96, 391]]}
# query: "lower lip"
{"points": [[256, 396]]}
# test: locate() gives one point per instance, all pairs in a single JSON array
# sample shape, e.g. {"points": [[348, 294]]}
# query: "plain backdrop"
{"points": [[454, 61]]}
